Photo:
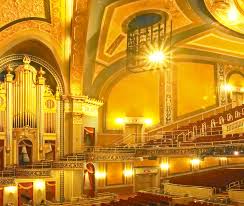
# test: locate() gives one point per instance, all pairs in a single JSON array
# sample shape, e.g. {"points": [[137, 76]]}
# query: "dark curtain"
{"points": [[50, 190], [25, 193], [1, 196], [89, 136]]}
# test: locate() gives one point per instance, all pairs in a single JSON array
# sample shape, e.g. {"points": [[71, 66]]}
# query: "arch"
{"points": [[11, 58], [235, 71], [44, 39]]}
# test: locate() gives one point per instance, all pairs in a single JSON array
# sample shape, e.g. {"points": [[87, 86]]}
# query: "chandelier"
{"points": [[147, 37]]}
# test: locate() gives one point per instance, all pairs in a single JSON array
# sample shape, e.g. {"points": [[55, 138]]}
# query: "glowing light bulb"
{"points": [[156, 57], [119, 120], [148, 121], [40, 185], [10, 189], [195, 161], [233, 15], [164, 166], [128, 173]]}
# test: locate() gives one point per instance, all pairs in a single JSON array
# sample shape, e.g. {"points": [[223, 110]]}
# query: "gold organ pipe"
{"points": [[18, 102], [27, 98], [15, 105], [28, 106], [25, 87], [22, 100]]}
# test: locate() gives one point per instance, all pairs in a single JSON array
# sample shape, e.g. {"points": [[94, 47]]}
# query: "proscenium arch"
{"points": [[9, 60]]}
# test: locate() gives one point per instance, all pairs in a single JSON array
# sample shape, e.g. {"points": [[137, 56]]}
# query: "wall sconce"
{"points": [[164, 166], [100, 175], [195, 162], [10, 189], [148, 121], [39, 184], [128, 172], [120, 120]]}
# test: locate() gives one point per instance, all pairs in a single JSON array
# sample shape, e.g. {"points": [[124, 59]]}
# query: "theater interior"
{"points": [[122, 102]]}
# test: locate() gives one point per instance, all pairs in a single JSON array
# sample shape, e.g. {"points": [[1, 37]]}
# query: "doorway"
{"points": [[145, 181], [133, 133]]}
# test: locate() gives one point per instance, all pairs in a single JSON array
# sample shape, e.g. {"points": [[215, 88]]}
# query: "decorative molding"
{"points": [[221, 81], [78, 37], [52, 25], [77, 118], [68, 164], [33, 172], [6, 181]]}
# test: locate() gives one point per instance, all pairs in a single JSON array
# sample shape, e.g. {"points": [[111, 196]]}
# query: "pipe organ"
{"points": [[27, 103]]}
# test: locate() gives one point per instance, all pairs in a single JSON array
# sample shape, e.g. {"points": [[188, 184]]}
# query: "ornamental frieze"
{"points": [[5, 181]]}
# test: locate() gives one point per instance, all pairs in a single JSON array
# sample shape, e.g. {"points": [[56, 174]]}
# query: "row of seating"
{"points": [[216, 178], [208, 129], [142, 199]]}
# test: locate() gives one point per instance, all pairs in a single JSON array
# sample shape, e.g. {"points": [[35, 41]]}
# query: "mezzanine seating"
{"points": [[215, 178], [142, 199], [206, 130]]}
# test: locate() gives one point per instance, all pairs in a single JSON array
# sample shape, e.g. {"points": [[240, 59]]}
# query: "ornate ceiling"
{"points": [[200, 26], [230, 13]]}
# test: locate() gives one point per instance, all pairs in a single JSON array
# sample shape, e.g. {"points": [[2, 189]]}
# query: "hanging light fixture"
{"points": [[146, 42]]}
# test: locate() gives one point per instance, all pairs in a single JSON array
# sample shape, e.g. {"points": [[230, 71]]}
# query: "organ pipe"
{"points": [[9, 110]]}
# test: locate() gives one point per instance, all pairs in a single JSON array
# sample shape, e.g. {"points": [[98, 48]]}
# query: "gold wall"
{"points": [[136, 95], [210, 162], [179, 165], [115, 173], [196, 87]]}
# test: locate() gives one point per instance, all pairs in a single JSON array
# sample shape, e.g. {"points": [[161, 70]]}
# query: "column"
{"points": [[57, 143], [222, 92], [9, 116], [40, 112], [168, 107]]}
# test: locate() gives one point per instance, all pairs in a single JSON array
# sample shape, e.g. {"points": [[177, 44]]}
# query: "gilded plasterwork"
{"points": [[217, 43], [229, 13], [18, 10], [112, 42], [55, 29], [79, 31]]}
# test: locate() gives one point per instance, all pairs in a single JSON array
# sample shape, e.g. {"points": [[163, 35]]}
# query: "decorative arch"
{"points": [[234, 71], [44, 39], [11, 60]]}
